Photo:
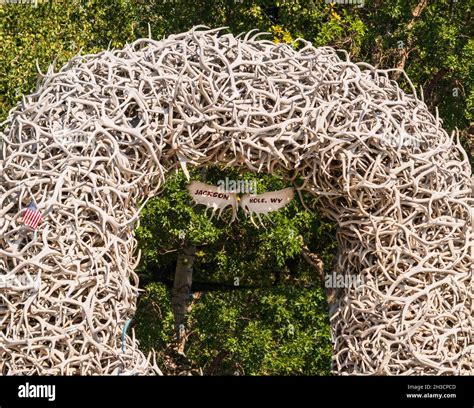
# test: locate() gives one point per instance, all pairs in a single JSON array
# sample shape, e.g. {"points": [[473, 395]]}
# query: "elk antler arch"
{"points": [[100, 135]]}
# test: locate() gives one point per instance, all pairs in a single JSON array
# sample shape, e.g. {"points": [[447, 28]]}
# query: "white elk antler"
{"points": [[379, 162]]}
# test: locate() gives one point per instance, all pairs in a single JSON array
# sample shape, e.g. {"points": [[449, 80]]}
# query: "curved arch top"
{"points": [[99, 136]]}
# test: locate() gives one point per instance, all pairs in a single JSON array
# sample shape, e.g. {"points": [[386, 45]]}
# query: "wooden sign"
{"points": [[215, 198]]}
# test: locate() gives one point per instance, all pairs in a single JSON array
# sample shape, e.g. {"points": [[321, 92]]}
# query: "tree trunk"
{"points": [[403, 53], [314, 261], [183, 280]]}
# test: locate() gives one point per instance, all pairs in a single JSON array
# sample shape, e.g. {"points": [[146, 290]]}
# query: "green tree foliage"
{"points": [[264, 288], [35, 37], [439, 48], [154, 319], [226, 251], [279, 331]]}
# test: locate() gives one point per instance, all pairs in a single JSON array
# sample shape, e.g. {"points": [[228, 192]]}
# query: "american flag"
{"points": [[32, 216]]}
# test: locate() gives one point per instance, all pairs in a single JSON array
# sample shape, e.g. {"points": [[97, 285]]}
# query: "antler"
{"points": [[380, 164]]}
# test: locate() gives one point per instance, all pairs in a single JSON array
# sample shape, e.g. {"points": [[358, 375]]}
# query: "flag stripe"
{"points": [[27, 216], [36, 219], [32, 216]]}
